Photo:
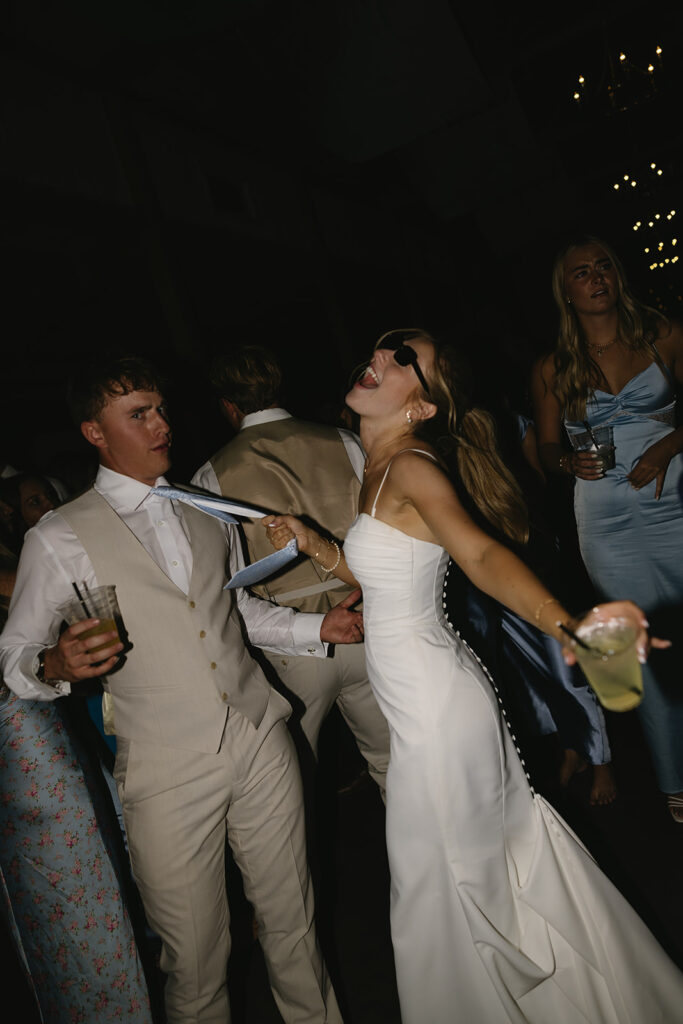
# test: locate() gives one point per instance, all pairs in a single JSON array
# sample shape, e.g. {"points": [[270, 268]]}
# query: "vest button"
{"points": [[213, 664], [192, 604], [202, 633], [225, 698]]}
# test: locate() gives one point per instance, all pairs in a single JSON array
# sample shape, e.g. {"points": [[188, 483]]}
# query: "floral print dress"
{"points": [[61, 893]]}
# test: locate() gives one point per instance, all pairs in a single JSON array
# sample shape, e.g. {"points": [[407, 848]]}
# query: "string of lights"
{"points": [[620, 82], [660, 251]]}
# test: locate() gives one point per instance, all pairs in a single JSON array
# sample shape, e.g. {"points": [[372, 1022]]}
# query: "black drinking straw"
{"points": [[593, 437], [577, 639], [87, 594], [80, 598]]}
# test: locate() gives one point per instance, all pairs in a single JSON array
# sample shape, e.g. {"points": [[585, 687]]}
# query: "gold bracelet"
{"points": [[332, 567], [537, 613], [565, 463], [321, 540]]}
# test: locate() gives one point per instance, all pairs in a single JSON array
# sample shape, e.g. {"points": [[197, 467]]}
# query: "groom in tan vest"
{"points": [[201, 736], [311, 470]]}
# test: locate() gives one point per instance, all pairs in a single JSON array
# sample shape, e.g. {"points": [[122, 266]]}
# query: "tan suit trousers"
{"points": [[342, 679], [177, 805]]}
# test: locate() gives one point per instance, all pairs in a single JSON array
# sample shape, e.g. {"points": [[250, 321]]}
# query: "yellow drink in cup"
{"points": [[105, 626], [97, 603], [611, 665]]}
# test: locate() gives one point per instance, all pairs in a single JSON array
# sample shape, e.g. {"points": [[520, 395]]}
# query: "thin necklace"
{"points": [[599, 349]]}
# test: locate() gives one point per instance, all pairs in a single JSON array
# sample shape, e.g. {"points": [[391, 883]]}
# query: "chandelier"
{"points": [[620, 84]]}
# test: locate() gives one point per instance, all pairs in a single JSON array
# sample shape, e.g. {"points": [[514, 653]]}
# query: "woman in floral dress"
{"points": [[58, 888]]}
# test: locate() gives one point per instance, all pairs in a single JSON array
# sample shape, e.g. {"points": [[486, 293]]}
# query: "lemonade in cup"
{"points": [[609, 659]]}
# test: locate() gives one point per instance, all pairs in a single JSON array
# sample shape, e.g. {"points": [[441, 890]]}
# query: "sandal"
{"points": [[675, 804]]}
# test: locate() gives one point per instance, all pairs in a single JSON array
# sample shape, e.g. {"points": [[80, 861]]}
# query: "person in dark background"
{"points": [[612, 381], [30, 497], [279, 462], [544, 696]]}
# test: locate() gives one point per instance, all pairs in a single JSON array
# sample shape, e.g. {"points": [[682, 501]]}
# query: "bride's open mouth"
{"points": [[369, 379]]}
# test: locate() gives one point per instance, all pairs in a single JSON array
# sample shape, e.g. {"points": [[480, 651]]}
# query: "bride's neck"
{"points": [[380, 442]]}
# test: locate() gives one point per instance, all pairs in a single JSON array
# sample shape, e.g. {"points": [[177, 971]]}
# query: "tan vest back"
{"points": [[188, 662], [292, 466]]}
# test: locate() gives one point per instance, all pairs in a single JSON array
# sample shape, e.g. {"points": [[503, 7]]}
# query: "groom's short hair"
{"points": [[94, 384]]}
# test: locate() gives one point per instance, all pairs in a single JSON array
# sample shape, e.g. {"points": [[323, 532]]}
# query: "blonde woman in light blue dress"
{"points": [[612, 380]]}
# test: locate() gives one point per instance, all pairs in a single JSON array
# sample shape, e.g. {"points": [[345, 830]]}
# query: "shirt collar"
{"points": [[123, 493], [264, 416]]}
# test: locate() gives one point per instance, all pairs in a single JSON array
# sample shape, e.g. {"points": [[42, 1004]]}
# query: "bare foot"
{"points": [[572, 764], [604, 788]]}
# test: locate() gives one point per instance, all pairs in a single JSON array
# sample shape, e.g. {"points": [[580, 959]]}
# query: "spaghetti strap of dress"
{"points": [[419, 451], [661, 364]]}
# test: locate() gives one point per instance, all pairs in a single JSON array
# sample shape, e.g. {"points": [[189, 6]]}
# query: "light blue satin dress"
{"points": [[545, 695], [632, 545]]}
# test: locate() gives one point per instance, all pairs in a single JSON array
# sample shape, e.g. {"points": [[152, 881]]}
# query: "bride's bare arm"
{"points": [[328, 554], [488, 564]]}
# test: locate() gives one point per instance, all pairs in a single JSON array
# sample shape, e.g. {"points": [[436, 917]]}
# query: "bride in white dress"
{"points": [[498, 912]]}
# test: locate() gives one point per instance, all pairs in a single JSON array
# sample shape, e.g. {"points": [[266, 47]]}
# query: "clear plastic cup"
{"points": [[605, 456], [99, 603], [611, 663]]}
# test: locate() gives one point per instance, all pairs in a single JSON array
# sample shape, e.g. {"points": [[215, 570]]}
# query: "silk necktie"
{"points": [[226, 511]]}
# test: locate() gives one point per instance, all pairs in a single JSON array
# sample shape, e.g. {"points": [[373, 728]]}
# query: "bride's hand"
{"points": [[643, 641], [281, 529]]}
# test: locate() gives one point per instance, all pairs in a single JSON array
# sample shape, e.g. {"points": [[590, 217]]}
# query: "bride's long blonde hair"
{"points": [[465, 437], [576, 372]]}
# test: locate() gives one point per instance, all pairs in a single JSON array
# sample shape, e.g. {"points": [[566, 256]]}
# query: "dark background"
{"points": [[178, 177]]}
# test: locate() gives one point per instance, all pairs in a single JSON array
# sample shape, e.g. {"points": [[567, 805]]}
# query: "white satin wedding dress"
{"points": [[498, 912]]}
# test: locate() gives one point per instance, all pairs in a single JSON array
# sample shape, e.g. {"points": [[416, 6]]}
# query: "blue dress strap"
{"points": [[661, 364]]}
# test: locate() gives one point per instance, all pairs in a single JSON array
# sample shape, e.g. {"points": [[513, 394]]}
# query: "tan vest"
{"points": [[291, 466], [188, 662]]}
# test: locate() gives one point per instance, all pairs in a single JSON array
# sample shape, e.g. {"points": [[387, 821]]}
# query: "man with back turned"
{"points": [[285, 464]]}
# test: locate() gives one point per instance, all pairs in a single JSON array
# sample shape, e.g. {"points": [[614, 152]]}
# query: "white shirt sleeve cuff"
{"points": [[306, 634], [32, 688]]}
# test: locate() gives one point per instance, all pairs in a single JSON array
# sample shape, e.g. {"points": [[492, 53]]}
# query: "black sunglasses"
{"points": [[395, 341]]}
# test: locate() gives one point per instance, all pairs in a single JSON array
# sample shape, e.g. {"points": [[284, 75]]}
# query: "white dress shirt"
{"points": [[205, 476], [53, 558]]}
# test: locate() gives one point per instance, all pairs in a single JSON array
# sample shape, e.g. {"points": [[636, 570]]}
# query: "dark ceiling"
{"points": [[451, 125]]}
